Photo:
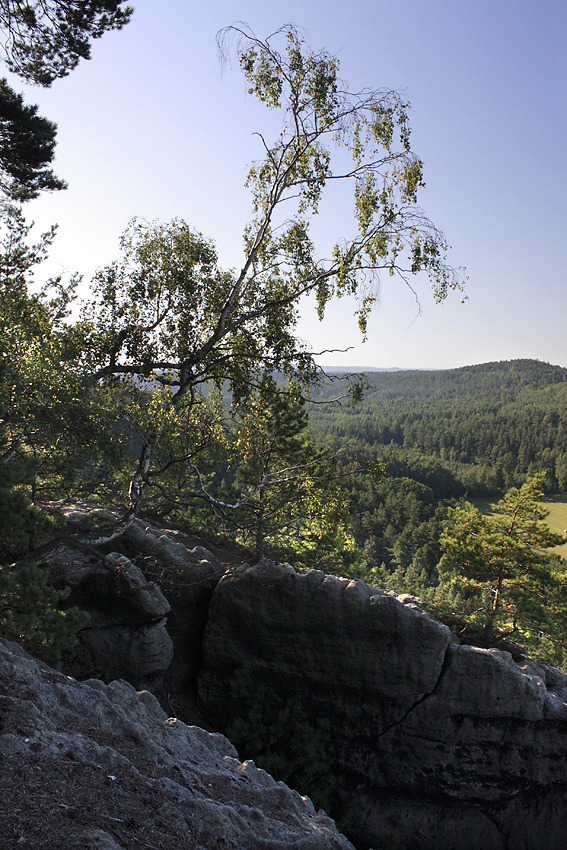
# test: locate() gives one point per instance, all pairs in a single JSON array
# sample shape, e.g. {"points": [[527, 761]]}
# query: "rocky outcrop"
{"points": [[127, 635], [88, 765], [435, 745], [420, 743], [188, 576]]}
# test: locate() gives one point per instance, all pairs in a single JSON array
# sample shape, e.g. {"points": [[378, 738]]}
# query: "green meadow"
{"points": [[557, 519]]}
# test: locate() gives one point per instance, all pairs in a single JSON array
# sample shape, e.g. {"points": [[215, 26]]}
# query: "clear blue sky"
{"points": [[150, 127]]}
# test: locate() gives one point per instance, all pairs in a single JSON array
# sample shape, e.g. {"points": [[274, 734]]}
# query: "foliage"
{"points": [[259, 482], [45, 39], [283, 739], [283, 489], [52, 421], [22, 521], [177, 435], [512, 417], [51, 418], [397, 509], [167, 310], [51, 425], [27, 148], [32, 612], [499, 565]]}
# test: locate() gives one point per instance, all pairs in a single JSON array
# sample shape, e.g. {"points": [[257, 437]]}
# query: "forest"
{"points": [[444, 438], [490, 425], [180, 391]]}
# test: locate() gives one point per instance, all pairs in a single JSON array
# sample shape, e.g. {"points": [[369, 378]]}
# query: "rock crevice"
{"points": [[65, 744], [444, 666]]}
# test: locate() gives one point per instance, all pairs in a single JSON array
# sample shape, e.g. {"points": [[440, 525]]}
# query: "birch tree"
{"points": [[168, 310]]}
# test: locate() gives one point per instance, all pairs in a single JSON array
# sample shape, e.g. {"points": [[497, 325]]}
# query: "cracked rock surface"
{"points": [[435, 745], [191, 577]]}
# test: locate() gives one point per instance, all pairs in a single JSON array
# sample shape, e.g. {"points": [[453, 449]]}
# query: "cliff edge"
{"points": [[90, 766], [349, 693]]}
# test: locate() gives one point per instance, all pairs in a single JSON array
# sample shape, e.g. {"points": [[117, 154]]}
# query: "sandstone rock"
{"points": [[189, 579], [111, 585], [126, 636], [105, 768], [83, 516], [435, 745], [341, 643], [131, 584], [140, 654]]}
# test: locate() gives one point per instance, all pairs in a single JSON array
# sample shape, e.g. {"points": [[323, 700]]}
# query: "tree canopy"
{"points": [[167, 309], [46, 39], [501, 564], [277, 487], [27, 147], [52, 429], [42, 40], [48, 410], [181, 382]]}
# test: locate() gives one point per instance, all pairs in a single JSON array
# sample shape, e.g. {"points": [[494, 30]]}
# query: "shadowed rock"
{"points": [[127, 634], [189, 579], [434, 744]]}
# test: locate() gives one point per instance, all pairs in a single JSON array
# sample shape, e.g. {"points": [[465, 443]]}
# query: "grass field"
{"points": [[557, 519]]}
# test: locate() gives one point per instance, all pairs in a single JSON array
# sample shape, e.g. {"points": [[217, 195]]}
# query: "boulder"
{"points": [[433, 744]]}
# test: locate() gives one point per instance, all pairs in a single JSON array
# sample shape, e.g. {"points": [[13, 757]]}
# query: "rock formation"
{"points": [[435, 745], [189, 581], [421, 743], [127, 634], [90, 766]]}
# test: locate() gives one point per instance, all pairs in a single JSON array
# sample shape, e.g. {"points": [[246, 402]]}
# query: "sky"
{"points": [[152, 126]]}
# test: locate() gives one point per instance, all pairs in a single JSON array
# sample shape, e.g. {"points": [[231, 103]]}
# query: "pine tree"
{"points": [[501, 567]]}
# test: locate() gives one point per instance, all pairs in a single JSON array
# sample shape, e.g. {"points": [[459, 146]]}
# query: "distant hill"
{"points": [[463, 382], [339, 370], [505, 419]]}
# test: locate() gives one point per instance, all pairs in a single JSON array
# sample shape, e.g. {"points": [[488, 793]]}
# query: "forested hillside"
{"points": [[489, 425], [443, 436]]}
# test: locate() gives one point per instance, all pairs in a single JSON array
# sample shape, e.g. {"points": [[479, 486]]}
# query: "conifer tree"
{"points": [[285, 489], [45, 39], [500, 565]]}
